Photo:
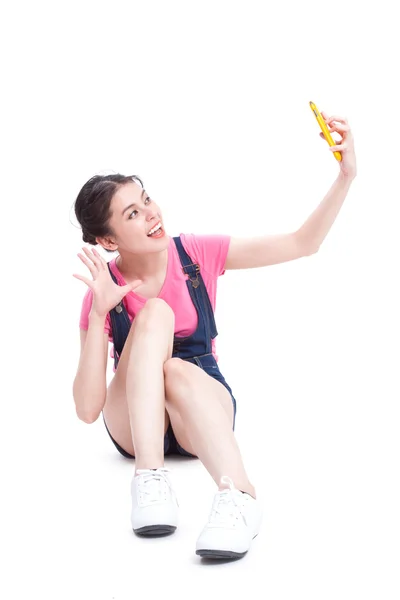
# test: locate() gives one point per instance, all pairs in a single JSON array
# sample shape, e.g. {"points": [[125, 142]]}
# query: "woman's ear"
{"points": [[107, 243]]}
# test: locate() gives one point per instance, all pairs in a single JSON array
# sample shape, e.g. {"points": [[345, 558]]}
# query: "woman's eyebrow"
{"points": [[133, 203]]}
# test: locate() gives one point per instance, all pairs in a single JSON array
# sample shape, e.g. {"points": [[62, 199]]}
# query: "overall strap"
{"points": [[197, 287], [189, 268]]}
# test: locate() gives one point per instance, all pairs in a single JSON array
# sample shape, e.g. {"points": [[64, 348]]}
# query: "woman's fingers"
{"points": [[339, 145], [95, 259], [338, 148], [340, 127], [338, 119], [84, 279], [103, 263], [328, 123], [136, 284], [328, 118], [93, 270], [321, 135], [338, 124], [130, 287]]}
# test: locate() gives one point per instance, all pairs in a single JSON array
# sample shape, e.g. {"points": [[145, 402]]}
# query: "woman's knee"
{"points": [[175, 368], [177, 378], [155, 312]]}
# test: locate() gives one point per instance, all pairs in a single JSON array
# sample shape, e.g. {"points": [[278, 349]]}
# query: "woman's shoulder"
{"points": [[209, 250], [203, 242]]}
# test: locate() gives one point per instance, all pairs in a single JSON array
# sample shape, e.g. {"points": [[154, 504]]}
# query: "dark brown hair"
{"points": [[92, 205]]}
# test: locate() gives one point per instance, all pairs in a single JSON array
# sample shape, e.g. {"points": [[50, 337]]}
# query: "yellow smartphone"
{"points": [[325, 130]]}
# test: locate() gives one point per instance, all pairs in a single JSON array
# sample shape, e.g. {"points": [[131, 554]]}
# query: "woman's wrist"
{"points": [[96, 319], [346, 178]]}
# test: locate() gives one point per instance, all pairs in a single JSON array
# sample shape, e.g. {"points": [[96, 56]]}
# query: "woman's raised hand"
{"points": [[340, 125], [106, 293]]}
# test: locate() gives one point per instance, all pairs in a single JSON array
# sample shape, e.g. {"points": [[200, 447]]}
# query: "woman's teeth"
{"points": [[155, 229]]}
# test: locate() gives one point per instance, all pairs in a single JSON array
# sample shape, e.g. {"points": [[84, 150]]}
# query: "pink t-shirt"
{"points": [[208, 251]]}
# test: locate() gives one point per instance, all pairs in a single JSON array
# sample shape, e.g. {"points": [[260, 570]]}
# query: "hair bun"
{"points": [[88, 238]]}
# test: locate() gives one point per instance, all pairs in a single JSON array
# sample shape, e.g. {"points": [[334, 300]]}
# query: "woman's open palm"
{"points": [[106, 293]]}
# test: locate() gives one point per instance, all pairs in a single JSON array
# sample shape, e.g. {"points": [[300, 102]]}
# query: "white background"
{"points": [[208, 103]]}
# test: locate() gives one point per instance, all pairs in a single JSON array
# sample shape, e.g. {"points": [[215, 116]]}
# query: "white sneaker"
{"points": [[154, 504], [234, 521]]}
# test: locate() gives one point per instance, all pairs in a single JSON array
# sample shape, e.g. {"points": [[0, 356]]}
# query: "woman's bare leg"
{"points": [[135, 407], [201, 413]]}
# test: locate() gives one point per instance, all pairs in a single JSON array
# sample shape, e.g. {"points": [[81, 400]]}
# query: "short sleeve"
{"points": [[85, 310], [210, 251]]}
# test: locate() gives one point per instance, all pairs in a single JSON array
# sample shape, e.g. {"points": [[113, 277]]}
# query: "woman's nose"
{"points": [[151, 213]]}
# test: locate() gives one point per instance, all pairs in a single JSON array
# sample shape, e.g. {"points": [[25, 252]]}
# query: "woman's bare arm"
{"points": [[90, 384], [274, 249]]}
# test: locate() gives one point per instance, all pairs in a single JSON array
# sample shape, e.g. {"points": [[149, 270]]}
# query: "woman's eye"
{"points": [[148, 199], [132, 214]]}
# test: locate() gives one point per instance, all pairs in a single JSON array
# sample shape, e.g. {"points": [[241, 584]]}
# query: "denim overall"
{"points": [[195, 348]]}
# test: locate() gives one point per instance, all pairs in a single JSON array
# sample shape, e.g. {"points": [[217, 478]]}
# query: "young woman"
{"points": [[155, 301]]}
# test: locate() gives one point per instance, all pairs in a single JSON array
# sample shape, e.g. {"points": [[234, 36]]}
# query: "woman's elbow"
{"points": [[87, 415], [86, 409]]}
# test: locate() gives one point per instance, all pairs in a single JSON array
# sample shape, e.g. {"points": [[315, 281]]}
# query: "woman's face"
{"points": [[134, 216]]}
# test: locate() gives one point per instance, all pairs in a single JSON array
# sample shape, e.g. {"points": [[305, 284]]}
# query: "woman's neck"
{"points": [[142, 266]]}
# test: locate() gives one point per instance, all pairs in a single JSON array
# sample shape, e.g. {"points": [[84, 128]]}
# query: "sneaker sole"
{"points": [[150, 530], [220, 554]]}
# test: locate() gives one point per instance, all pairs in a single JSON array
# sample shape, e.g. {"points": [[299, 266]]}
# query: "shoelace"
{"points": [[153, 486], [227, 506]]}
